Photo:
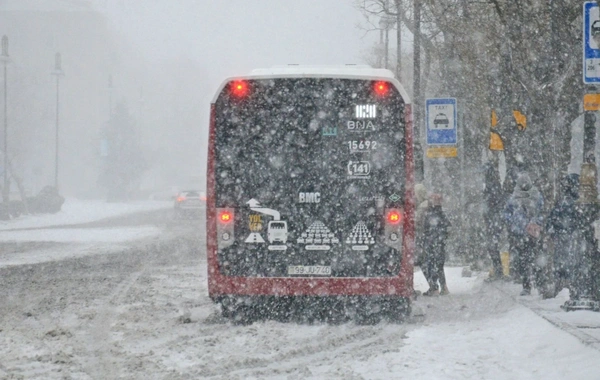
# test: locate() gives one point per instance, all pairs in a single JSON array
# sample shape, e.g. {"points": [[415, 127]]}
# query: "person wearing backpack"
{"points": [[523, 214]]}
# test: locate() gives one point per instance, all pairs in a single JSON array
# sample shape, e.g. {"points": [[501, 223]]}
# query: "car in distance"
{"points": [[189, 203]]}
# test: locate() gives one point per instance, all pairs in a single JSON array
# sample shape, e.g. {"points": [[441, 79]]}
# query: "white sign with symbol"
{"points": [[441, 121]]}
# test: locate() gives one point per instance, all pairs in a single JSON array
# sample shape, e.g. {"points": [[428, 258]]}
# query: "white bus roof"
{"points": [[352, 70], [309, 71]]}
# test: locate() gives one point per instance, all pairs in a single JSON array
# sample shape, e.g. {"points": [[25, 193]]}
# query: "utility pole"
{"points": [[58, 73], [4, 57], [110, 91], [584, 292], [398, 42], [419, 165]]}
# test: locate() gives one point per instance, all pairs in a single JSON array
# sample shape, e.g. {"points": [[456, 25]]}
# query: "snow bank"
{"points": [[75, 211]]}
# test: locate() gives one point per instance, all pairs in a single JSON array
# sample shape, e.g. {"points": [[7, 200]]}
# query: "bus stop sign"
{"points": [[441, 121], [591, 48]]}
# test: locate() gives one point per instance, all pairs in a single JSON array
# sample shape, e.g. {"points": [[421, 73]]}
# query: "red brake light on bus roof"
{"points": [[239, 88], [381, 88], [394, 217], [225, 217]]}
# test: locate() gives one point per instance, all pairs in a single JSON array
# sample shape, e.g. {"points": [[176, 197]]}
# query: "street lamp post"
{"points": [[398, 42], [584, 292], [4, 57], [417, 103], [58, 72]]}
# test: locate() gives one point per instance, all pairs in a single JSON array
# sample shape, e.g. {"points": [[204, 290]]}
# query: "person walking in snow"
{"points": [[523, 213], [561, 226], [435, 233]]}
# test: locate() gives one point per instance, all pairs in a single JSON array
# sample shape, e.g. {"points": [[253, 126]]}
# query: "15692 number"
{"points": [[362, 145]]}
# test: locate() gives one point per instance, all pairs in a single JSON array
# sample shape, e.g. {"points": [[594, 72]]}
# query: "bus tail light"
{"points": [[394, 217], [393, 228], [225, 217], [239, 88], [225, 227], [381, 88]]}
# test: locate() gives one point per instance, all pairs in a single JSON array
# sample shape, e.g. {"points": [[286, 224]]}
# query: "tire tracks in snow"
{"points": [[104, 362], [354, 342]]}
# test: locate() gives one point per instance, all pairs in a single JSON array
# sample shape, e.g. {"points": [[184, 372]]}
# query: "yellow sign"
{"points": [[255, 223], [591, 102], [442, 152], [520, 119], [494, 119], [496, 142]]}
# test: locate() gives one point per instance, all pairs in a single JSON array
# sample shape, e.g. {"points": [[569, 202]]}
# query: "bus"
{"points": [[310, 193]]}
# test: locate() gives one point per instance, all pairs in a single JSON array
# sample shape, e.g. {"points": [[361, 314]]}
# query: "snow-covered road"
{"points": [[143, 312]]}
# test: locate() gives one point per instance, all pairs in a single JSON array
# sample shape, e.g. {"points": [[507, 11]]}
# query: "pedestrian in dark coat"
{"points": [[561, 226], [523, 213], [435, 233]]}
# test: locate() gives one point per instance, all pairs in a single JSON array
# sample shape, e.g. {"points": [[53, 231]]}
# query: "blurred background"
{"points": [[133, 80]]}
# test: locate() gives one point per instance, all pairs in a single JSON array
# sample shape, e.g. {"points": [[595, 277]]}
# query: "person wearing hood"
{"points": [[523, 214], [562, 224], [435, 234]]}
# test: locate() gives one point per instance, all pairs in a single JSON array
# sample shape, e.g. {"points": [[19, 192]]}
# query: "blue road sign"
{"points": [[591, 49], [441, 121]]}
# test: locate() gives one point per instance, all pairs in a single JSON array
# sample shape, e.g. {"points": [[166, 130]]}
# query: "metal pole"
{"points": [[419, 165], [379, 57], [398, 42], [58, 72], [583, 293], [6, 192], [56, 157], [387, 46], [110, 88]]}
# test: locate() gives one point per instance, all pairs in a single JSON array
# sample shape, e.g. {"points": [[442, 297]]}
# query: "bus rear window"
{"points": [[341, 136]]}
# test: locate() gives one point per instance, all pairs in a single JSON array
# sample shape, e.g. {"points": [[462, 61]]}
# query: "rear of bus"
{"points": [[310, 191]]}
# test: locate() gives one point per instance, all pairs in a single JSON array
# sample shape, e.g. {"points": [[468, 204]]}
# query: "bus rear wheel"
{"points": [[397, 310]]}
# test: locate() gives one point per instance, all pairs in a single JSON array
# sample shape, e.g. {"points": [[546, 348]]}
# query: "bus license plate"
{"points": [[312, 270]]}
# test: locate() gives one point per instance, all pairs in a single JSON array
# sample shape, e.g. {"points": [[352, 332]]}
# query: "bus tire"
{"points": [[366, 315], [243, 315], [398, 310]]}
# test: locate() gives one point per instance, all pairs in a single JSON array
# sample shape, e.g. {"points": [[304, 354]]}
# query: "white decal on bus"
{"points": [[361, 125], [309, 197], [318, 237], [360, 237]]}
